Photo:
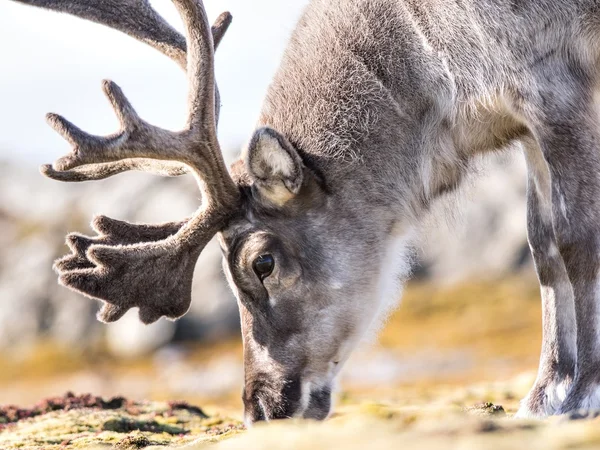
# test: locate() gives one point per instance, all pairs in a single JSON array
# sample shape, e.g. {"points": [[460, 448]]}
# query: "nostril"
{"points": [[255, 412], [263, 410], [254, 406]]}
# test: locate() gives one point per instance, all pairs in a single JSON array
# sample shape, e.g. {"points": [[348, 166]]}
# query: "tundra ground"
{"points": [[447, 371]]}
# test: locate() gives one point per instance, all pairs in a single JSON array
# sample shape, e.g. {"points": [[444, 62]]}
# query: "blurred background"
{"points": [[471, 312]]}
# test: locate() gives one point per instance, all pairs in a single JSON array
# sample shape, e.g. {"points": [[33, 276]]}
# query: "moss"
{"points": [[72, 421], [70, 401]]}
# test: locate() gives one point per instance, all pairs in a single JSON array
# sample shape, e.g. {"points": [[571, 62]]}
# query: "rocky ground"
{"points": [[432, 418], [86, 421], [447, 372]]}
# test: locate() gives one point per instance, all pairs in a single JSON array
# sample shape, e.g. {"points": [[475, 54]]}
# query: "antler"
{"points": [[111, 232], [139, 20], [148, 266]]}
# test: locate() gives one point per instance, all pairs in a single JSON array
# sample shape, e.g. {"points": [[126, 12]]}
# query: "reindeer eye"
{"points": [[263, 266]]}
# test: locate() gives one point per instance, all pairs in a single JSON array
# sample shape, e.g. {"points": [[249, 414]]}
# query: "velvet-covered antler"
{"points": [[148, 266], [115, 233]]}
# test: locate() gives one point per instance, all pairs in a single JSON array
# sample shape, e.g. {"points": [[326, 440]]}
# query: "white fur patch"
{"points": [[540, 173], [557, 302], [563, 208], [553, 250], [280, 162], [395, 268], [337, 284], [555, 395], [264, 410]]}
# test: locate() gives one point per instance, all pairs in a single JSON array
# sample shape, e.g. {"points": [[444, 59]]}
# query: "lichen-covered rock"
{"points": [[134, 442], [85, 421]]}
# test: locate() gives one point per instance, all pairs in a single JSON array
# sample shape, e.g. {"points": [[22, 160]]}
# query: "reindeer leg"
{"points": [[576, 213], [567, 128], [559, 354]]}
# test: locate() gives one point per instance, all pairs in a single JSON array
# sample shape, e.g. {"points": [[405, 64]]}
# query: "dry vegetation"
{"points": [[490, 333]]}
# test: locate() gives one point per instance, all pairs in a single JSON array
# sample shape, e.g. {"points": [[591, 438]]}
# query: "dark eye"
{"points": [[263, 266]]}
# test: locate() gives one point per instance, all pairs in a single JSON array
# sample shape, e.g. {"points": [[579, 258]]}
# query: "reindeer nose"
{"points": [[271, 401]]}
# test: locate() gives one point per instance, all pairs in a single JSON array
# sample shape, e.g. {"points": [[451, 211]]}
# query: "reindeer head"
{"points": [[297, 257], [291, 256]]}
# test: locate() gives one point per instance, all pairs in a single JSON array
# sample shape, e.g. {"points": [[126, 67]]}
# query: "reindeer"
{"points": [[377, 110]]}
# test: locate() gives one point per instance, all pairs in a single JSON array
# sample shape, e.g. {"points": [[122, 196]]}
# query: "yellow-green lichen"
{"points": [[132, 425]]}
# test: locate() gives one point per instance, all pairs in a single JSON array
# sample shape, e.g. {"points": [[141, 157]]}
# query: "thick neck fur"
{"points": [[385, 105]]}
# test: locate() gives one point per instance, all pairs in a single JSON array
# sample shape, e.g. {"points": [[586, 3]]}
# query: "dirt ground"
{"points": [[447, 372]]}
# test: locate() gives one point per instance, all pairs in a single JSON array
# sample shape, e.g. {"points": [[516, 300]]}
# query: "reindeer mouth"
{"points": [[294, 402]]}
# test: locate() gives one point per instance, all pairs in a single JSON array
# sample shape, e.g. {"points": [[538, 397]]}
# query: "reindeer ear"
{"points": [[274, 166]]}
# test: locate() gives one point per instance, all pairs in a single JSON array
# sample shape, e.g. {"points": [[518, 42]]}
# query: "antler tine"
{"points": [[111, 232], [220, 27], [200, 68], [106, 170], [202, 100]]}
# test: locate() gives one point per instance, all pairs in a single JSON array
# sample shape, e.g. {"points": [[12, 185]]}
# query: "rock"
{"points": [[486, 410], [133, 442]]}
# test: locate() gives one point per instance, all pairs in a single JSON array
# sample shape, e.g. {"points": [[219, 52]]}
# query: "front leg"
{"points": [[559, 354], [567, 129]]}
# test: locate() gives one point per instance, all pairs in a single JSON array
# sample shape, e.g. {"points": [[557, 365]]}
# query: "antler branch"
{"points": [[106, 170], [148, 266], [139, 20]]}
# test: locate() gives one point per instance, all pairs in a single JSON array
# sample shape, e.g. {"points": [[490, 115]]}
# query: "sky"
{"points": [[52, 62]]}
